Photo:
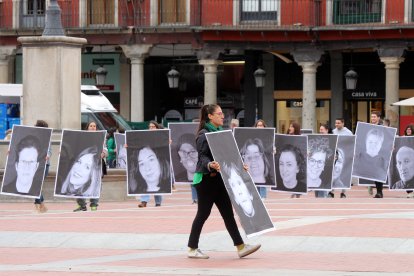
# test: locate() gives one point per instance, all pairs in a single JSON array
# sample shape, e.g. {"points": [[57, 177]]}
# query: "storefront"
{"points": [[288, 109], [359, 105]]}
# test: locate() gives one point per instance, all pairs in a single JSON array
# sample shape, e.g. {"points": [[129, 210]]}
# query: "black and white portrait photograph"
{"points": [[149, 162], [344, 158], [290, 160], [184, 153], [373, 149], [79, 172], [321, 156], [121, 157], [246, 201], [402, 164], [256, 146], [26, 161]]}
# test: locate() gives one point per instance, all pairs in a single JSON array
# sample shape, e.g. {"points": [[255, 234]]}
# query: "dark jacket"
{"points": [[204, 153]]}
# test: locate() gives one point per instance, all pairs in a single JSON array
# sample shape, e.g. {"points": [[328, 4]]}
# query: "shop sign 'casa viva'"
{"points": [[369, 94]]}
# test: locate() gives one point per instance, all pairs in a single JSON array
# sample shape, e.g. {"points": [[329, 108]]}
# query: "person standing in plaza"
{"points": [[294, 129], [376, 120], [153, 125], [323, 129], [340, 129], [262, 190], [39, 202], [409, 131], [210, 188], [110, 144], [91, 126]]}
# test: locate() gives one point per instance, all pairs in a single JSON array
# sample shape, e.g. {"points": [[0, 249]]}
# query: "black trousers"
{"points": [[211, 191], [379, 186]]}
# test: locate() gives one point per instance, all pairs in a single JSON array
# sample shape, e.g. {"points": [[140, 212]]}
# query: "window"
{"points": [[259, 10], [101, 12], [357, 11], [173, 11], [35, 7]]}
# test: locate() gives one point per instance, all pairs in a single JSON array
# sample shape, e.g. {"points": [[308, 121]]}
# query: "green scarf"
{"points": [[198, 176]]}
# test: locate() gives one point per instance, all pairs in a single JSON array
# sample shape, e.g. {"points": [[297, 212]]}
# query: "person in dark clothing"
{"points": [[210, 188]]}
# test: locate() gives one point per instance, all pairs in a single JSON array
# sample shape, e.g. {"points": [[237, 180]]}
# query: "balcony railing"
{"points": [[208, 14]]}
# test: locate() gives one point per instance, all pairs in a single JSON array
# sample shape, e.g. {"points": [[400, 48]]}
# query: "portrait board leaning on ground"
{"points": [[149, 162], [79, 172], [26, 161], [373, 149], [243, 194]]}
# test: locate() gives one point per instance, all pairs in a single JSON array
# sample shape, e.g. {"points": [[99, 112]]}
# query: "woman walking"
{"points": [[211, 189]]}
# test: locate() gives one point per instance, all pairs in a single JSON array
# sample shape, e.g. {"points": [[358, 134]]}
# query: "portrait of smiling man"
{"points": [[26, 161]]}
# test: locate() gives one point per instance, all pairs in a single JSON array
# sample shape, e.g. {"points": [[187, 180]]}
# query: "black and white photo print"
{"points": [[290, 160], [402, 164], [243, 194], [149, 162], [321, 153], [26, 161], [79, 173], [256, 146], [121, 157], [344, 158], [373, 148], [184, 153]]}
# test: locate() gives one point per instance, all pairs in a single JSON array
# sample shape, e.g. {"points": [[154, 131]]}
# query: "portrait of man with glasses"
{"points": [[26, 161], [183, 151], [321, 149]]}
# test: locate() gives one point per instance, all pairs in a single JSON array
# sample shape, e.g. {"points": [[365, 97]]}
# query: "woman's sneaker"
{"points": [[197, 254], [248, 249]]}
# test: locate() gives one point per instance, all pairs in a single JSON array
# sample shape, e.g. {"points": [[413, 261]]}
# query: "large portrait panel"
{"points": [[26, 161], [243, 194], [256, 146], [184, 153], [344, 158], [291, 163], [148, 162], [401, 170], [373, 149], [79, 173]]}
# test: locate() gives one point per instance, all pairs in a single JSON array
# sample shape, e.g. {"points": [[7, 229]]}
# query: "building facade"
{"points": [[305, 47]]}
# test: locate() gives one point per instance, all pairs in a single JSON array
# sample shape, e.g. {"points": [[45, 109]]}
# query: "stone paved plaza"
{"points": [[358, 235]]}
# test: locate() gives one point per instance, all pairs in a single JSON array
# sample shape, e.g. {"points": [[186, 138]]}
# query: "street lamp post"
{"points": [[260, 80]]}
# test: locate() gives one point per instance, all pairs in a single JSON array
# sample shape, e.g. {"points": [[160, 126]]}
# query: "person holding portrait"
{"points": [[211, 189]]}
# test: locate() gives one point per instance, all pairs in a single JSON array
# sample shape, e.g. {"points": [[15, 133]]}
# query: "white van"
{"points": [[94, 106]]}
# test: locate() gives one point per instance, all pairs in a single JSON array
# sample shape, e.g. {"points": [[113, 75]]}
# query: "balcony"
{"points": [[154, 16]]}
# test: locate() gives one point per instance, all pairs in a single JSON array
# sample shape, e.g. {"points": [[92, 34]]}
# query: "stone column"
{"points": [[210, 79], [337, 90], [309, 61], [52, 80], [5, 53], [392, 88], [137, 54]]}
